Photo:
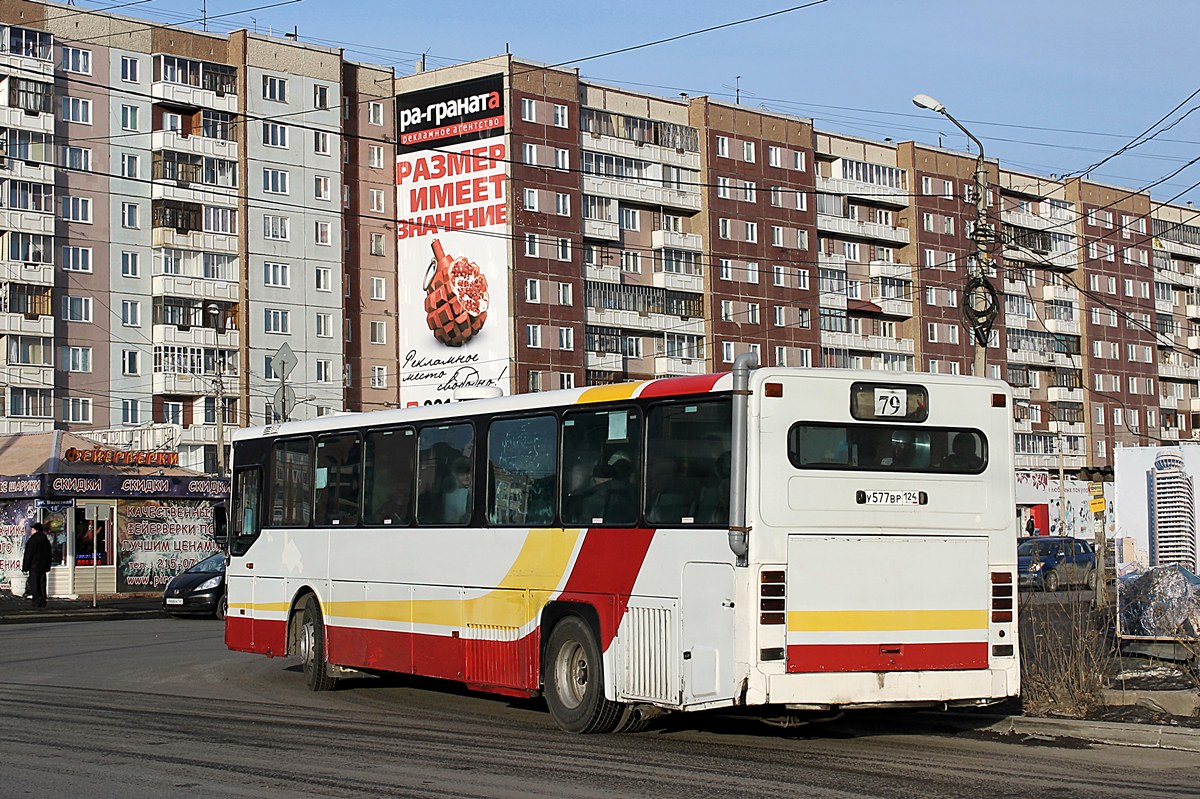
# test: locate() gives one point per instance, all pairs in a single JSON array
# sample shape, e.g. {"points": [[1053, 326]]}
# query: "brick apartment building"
{"points": [[179, 204]]}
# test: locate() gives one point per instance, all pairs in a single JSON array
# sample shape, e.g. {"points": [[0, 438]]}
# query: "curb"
{"points": [[78, 614], [1147, 736]]}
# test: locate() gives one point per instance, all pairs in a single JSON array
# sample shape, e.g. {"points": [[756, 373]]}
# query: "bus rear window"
{"points": [[887, 448]]}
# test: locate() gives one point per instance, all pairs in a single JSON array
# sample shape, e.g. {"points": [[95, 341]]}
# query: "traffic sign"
{"points": [[1097, 505], [284, 361], [1097, 489], [285, 400]]}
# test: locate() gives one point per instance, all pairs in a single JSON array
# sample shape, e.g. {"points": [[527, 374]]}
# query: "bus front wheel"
{"points": [[575, 680], [312, 649]]}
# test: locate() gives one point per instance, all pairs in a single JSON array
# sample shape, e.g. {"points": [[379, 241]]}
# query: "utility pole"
{"points": [[980, 302], [1062, 482], [219, 386]]}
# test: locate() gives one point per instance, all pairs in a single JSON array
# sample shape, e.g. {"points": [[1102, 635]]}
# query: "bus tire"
{"points": [[312, 649], [575, 680], [1051, 581]]}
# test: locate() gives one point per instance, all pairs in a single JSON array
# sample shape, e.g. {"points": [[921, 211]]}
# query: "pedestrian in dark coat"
{"points": [[36, 563]]}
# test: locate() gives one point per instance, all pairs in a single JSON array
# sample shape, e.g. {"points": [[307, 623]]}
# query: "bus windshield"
{"points": [[861, 447]]}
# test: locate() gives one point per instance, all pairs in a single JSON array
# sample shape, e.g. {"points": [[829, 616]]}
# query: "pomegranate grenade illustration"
{"points": [[456, 298]]}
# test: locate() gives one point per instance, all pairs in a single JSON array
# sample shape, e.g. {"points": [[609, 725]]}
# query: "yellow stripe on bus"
{"points": [[872, 620], [617, 391], [538, 570]]}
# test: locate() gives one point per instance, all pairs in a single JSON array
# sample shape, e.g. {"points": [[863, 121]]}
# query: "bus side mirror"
{"points": [[220, 526]]}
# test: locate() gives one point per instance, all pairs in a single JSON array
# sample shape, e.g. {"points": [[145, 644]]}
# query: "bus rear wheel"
{"points": [[575, 680], [312, 649]]}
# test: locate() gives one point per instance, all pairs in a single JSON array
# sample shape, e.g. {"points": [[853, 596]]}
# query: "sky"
{"points": [[1049, 86]]}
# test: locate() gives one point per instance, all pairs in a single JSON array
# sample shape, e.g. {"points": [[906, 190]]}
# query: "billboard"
{"points": [[157, 539], [1156, 507], [452, 240]]}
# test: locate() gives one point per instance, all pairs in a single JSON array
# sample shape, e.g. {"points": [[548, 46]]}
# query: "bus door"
{"points": [[707, 618], [244, 526]]}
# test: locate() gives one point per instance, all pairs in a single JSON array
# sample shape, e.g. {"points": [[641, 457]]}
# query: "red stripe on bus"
{"points": [[674, 386], [876, 657], [263, 637], [605, 570]]}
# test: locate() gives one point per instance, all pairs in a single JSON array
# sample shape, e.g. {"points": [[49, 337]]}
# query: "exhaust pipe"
{"points": [[739, 533]]}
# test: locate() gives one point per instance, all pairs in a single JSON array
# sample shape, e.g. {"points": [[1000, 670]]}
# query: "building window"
{"points": [[323, 233], [533, 336], [75, 209], [529, 154], [378, 244], [77, 309], [323, 278], [375, 156], [131, 362], [748, 151], [564, 294], [723, 228], [322, 187], [723, 146], [275, 274], [275, 181], [562, 158], [727, 351], [324, 370], [275, 135], [377, 200], [378, 333], [276, 321], [752, 232], [378, 288], [378, 377], [274, 88], [324, 325], [131, 313], [79, 359], [562, 204], [320, 96], [129, 117], [129, 69], [533, 290], [78, 159], [530, 199], [774, 156], [725, 269], [566, 380], [528, 110], [566, 338], [130, 165], [77, 109], [564, 249], [76, 259], [629, 219], [531, 245], [726, 310], [131, 264], [276, 228], [321, 142], [375, 112], [75, 59]]}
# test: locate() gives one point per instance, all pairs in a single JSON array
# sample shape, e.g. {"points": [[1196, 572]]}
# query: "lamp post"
{"points": [[214, 311], [979, 295]]}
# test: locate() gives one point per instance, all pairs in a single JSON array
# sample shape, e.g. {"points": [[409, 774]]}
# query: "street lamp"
{"points": [[214, 311], [981, 305]]}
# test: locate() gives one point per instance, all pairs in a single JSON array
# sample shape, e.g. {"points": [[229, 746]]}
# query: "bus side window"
{"points": [[522, 465], [446, 468], [687, 463], [291, 489], [243, 522], [339, 469], [601, 467], [389, 477]]}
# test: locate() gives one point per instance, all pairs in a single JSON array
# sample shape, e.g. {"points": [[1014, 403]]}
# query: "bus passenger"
{"points": [[963, 457], [456, 499]]}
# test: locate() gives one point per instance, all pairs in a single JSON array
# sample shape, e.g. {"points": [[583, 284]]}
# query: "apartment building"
{"points": [[180, 204]]}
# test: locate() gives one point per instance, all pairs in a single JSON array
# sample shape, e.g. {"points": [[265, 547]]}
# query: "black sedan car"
{"points": [[199, 591]]}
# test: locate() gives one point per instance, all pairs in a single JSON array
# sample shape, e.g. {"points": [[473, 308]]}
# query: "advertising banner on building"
{"points": [[452, 240], [15, 518], [157, 539]]}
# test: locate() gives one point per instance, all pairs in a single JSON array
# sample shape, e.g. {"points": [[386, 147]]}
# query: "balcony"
{"points": [[605, 361], [1169, 433], [604, 274], [641, 193], [601, 229], [1067, 428], [26, 221], [226, 196], [877, 344], [830, 261], [677, 281], [13, 425], [863, 230], [872, 193], [1062, 394], [194, 240], [1041, 358], [661, 239], [1193, 405], [668, 365], [191, 385], [891, 270], [1022, 219], [195, 288], [197, 145], [657, 322], [643, 151], [32, 171], [17, 118], [1193, 311], [27, 376], [1170, 276], [891, 306], [24, 65], [193, 96], [1164, 306], [33, 274], [201, 434], [832, 299], [26, 325], [1016, 320], [1022, 392], [1049, 463], [1063, 327], [1065, 261], [1171, 403], [1060, 293], [1193, 343], [1176, 247], [1017, 287], [1179, 372], [196, 336]]}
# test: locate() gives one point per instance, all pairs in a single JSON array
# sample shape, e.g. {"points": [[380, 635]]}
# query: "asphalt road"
{"points": [[158, 708]]}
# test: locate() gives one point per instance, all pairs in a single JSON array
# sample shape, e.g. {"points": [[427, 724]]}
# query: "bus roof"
{"points": [[662, 387]]}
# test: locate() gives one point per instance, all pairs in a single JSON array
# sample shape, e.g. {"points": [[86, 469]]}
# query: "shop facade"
{"points": [[119, 521]]}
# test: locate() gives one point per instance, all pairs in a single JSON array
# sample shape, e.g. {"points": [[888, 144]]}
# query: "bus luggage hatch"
{"points": [[887, 603], [707, 621]]}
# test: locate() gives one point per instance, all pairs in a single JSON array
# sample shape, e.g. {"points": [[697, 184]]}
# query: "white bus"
{"points": [[773, 539]]}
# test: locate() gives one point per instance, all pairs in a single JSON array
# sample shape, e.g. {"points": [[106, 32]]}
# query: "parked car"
{"points": [[1050, 563], [198, 591]]}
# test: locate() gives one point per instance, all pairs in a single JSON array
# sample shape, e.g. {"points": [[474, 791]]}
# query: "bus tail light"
{"points": [[772, 600], [1002, 597], [773, 389]]}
